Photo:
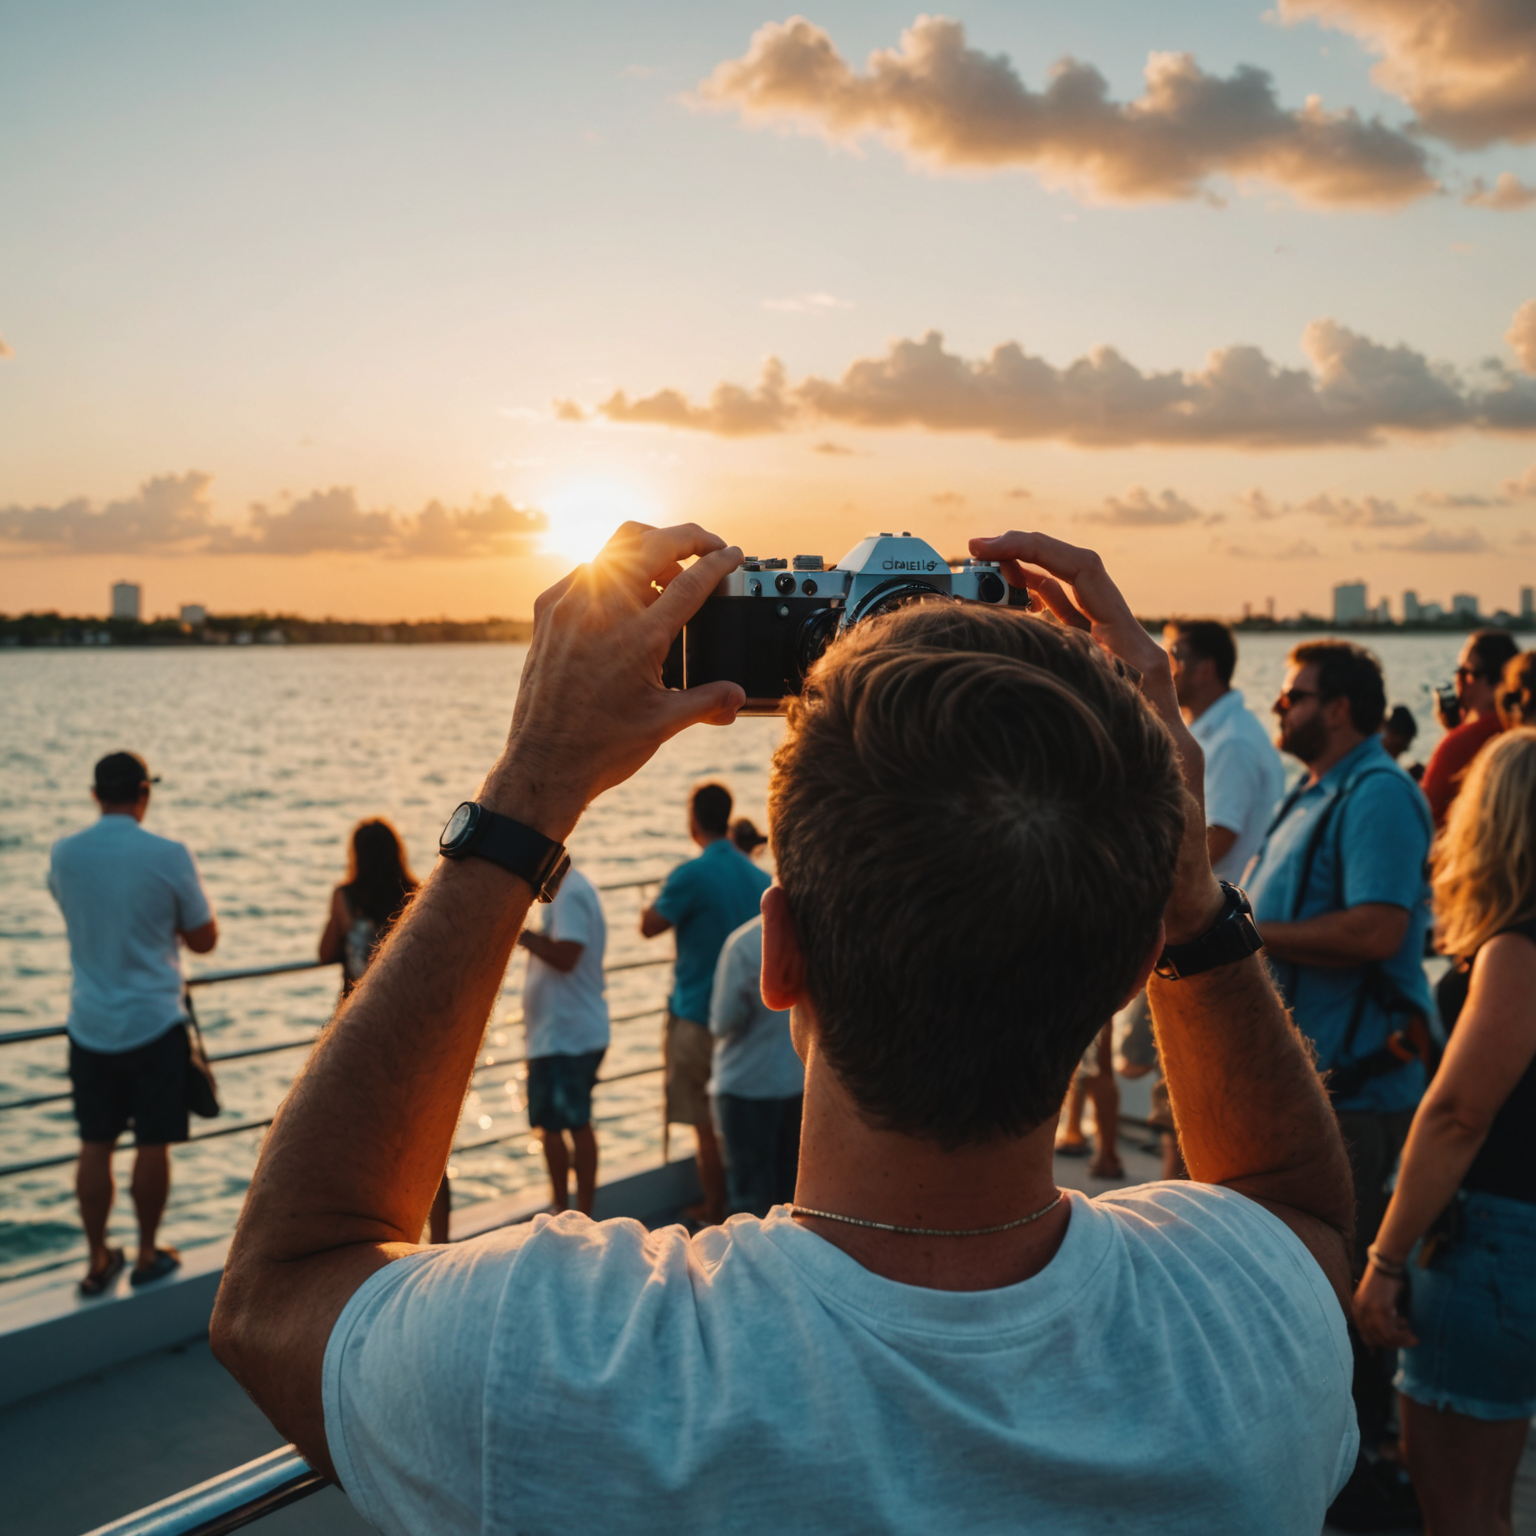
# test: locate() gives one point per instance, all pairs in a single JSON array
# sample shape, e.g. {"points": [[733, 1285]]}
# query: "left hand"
{"points": [[591, 708], [1378, 1311]]}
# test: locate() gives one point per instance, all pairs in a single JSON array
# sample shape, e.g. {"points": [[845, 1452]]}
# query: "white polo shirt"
{"points": [[565, 1012], [1244, 778], [125, 894]]}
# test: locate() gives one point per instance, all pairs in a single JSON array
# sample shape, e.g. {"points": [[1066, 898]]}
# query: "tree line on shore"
{"points": [[251, 629]]}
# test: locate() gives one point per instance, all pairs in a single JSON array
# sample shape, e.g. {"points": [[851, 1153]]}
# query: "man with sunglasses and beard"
{"points": [[1479, 669], [1339, 894]]}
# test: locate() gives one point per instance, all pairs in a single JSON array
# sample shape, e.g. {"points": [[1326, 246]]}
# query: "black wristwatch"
{"points": [[473, 831], [1234, 937]]}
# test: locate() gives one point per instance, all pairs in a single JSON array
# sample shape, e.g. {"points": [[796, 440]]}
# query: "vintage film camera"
{"points": [[768, 621]]}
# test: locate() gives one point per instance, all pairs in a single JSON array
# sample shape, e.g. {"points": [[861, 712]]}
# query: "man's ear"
{"points": [[783, 982], [1153, 956]]}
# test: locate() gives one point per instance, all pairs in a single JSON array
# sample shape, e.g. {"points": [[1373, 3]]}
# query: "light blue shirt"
{"points": [[754, 1054], [706, 900], [1244, 779], [125, 894], [1381, 833]]}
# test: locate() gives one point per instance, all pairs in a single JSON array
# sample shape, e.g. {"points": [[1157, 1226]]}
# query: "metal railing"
{"points": [[226, 1502], [212, 978]]}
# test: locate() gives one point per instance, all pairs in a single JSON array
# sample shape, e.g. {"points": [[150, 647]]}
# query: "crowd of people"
{"points": [[873, 1052]]}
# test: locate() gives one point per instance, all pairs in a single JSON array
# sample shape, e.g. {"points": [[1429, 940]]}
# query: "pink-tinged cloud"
{"points": [[951, 107], [1356, 391], [1508, 194], [1466, 67], [1521, 335], [1138, 508]]}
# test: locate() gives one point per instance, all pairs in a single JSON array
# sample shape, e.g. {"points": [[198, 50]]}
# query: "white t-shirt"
{"points": [[125, 894], [564, 1012], [1244, 778], [1180, 1366], [754, 1055]]}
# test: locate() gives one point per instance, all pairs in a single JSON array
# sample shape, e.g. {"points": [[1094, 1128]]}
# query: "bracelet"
{"points": [[1393, 1269]]}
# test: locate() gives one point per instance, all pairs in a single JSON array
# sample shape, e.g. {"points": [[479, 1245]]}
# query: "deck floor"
{"points": [[87, 1453]]}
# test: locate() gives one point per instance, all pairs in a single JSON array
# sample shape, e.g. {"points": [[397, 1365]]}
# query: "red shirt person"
{"points": [[1478, 671]]}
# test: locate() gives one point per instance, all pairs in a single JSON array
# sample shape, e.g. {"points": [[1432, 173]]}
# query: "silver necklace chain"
{"points": [[885, 1226]]}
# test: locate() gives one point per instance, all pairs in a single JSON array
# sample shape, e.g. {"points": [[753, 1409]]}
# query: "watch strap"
{"points": [[1234, 936], [519, 849]]}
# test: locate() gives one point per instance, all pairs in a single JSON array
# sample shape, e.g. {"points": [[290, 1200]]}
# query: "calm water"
{"points": [[267, 759]]}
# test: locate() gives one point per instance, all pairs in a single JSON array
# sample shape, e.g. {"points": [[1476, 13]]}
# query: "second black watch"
{"points": [[474, 832], [1233, 937]]}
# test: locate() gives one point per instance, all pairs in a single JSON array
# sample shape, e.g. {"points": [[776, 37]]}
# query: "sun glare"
{"points": [[584, 514]]}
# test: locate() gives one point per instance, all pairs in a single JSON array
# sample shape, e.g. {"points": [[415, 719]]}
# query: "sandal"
{"points": [[99, 1280], [1071, 1149], [167, 1261]]}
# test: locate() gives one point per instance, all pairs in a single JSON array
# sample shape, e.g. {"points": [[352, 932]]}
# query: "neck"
{"points": [[1338, 749], [1198, 703], [849, 1167]]}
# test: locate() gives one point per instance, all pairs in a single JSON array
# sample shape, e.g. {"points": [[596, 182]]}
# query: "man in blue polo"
{"points": [[1340, 895], [705, 901]]}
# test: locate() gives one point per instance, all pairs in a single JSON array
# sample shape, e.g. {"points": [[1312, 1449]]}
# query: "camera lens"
{"points": [[784, 583], [815, 634]]}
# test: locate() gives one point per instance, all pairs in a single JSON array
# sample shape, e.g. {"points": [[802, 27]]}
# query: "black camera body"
{"points": [[767, 622]]}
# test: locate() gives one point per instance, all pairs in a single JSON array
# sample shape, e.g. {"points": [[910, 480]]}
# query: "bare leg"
{"points": [[1105, 1093], [558, 1161], [442, 1206], [1071, 1134], [1173, 1159], [711, 1172], [94, 1190], [584, 1147], [151, 1185], [1463, 1469]]}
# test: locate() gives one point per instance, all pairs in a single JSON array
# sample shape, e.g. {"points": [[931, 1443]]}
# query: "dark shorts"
{"points": [[560, 1090], [145, 1087]]}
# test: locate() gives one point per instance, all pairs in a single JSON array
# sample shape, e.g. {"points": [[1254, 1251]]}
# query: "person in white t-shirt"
{"points": [[985, 841], [129, 899], [1244, 776], [565, 1022], [757, 1081]]}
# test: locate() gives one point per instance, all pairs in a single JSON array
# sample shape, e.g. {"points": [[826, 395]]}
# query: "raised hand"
{"points": [[591, 708]]}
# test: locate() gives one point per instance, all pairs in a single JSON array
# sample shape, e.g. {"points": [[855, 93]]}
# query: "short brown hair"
{"points": [[1347, 671], [1213, 640], [976, 821], [710, 806]]}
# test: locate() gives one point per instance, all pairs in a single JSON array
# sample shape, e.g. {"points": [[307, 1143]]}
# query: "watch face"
{"points": [[459, 825]]}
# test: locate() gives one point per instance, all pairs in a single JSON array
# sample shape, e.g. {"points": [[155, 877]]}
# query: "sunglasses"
{"points": [[1469, 672], [1288, 696]]}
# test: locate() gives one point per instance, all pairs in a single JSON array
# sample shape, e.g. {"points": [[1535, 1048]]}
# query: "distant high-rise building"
{"points": [[1384, 611], [1429, 612], [1269, 609], [1464, 605], [1527, 610], [1349, 602], [194, 614], [1411, 609], [126, 599]]}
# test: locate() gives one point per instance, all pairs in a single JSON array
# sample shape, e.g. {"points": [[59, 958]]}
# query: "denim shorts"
{"points": [[560, 1090], [1474, 1311]]}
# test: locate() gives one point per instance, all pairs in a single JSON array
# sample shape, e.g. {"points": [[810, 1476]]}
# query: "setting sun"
{"points": [[584, 514]]}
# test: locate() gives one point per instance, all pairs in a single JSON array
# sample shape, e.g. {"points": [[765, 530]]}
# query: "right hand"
{"points": [[1378, 1311], [1074, 585], [591, 708]]}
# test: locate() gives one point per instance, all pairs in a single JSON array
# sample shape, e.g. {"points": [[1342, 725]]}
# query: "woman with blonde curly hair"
{"points": [[1451, 1281]]}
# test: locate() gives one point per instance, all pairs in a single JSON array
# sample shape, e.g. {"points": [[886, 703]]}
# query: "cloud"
{"points": [[1439, 541], [1261, 507], [1139, 509], [1507, 195], [1452, 501], [1298, 549], [568, 410], [951, 107], [1521, 335], [948, 499], [1466, 67], [173, 514], [6, 350], [836, 449], [1018, 493], [1521, 485], [167, 515], [807, 304], [1356, 391], [1366, 512]]}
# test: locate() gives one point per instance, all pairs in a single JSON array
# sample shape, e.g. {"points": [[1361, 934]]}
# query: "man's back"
{"points": [[1244, 778], [125, 894], [565, 1012], [1180, 1365], [706, 900]]}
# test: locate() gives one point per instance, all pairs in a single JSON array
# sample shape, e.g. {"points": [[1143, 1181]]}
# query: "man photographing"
{"points": [[985, 843]]}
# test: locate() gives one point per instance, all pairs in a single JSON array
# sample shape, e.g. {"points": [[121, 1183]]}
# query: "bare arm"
{"points": [[1491, 1048], [653, 923], [563, 954], [201, 940], [1219, 842], [350, 1166], [334, 937], [1338, 940], [1249, 1106]]}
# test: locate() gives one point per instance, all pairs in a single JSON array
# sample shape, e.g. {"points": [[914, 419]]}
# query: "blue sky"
{"points": [[296, 248]]}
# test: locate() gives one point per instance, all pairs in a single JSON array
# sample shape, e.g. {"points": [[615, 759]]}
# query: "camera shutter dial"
{"points": [[990, 587], [784, 583]]}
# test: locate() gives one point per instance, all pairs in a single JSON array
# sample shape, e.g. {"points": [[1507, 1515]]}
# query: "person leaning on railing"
{"points": [[986, 837], [1452, 1275]]}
